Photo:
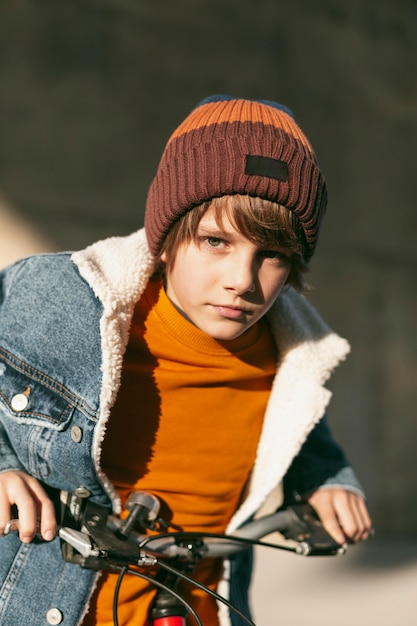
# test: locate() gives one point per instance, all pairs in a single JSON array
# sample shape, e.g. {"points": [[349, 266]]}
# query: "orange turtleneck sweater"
{"points": [[185, 427]]}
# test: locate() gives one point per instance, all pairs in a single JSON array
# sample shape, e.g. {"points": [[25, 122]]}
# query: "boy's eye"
{"points": [[214, 242]]}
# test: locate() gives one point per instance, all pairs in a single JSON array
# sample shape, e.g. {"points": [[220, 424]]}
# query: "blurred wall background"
{"points": [[90, 91]]}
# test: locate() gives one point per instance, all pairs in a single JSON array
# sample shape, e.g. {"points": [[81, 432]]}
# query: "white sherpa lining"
{"points": [[308, 353], [117, 269]]}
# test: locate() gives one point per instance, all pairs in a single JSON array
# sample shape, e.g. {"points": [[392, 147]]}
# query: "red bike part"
{"points": [[174, 620]]}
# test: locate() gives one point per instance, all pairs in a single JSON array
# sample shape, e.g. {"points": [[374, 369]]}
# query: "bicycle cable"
{"points": [[198, 535], [210, 592], [226, 539], [127, 570]]}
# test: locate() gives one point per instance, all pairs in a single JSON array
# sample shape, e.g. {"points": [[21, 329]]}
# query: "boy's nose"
{"points": [[241, 276]]}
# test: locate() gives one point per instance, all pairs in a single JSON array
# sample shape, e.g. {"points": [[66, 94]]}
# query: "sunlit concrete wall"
{"points": [[19, 237], [90, 91]]}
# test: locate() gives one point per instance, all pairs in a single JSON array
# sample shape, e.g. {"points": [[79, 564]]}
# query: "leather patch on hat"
{"points": [[265, 166]]}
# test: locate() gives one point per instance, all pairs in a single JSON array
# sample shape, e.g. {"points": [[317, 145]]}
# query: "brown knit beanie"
{"points": [[234, 146]]}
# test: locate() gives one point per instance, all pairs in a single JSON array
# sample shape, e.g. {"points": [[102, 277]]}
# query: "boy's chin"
{"points": [[229, 334]]}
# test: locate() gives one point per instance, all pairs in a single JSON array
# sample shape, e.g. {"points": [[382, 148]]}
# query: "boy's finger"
{"points": [[45, 510], [353, 516], [13, 490], [27, 516], [32, 503], [364, 521], [5, 511], [323, 503], [332, 525], [47, 520]]}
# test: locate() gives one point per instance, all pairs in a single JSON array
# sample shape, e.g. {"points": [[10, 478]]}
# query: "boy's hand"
{"points": [[343, 514], [32, 503]]}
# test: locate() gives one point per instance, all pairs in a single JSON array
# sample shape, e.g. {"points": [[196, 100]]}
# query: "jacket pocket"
{"points": [[35, 412], [33, 399]]}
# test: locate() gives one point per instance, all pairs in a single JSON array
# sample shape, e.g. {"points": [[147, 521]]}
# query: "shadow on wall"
{"points": [[18, 237]]}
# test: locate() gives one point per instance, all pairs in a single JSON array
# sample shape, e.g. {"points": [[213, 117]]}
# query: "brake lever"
{"points": [[306, 529]]}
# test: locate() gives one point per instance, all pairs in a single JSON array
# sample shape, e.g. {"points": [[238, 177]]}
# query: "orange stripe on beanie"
{"points": [[234, 146]]}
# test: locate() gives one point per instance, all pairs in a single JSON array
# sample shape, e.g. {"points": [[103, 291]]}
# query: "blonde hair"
{"points": [[264, 223]]}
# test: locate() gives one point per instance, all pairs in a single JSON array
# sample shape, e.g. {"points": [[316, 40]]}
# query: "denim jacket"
{"points": [[64, 326]]}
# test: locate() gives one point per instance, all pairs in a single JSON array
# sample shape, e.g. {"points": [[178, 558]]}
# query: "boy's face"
{"points": [[222, 281]]}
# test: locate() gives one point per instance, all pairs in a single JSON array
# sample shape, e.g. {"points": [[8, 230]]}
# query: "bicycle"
{"points": [[94, 538]]}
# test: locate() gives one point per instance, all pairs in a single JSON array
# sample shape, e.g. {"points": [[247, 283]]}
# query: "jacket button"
{"points": [[76, 434], [82, 492], [54, 616], [19, 402]]}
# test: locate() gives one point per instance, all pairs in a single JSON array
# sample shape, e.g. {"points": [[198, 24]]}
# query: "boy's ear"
{"points": [[163, 257]]}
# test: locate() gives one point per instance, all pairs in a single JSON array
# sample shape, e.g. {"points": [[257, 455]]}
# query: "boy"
{"points": [[180, 360]]}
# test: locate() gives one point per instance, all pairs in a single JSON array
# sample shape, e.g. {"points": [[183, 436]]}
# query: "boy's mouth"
{"points": [[230, 312]]}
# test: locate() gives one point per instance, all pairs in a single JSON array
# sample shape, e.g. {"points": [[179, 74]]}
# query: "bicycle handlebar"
{"points": [[90, 534], [94, 538]]}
